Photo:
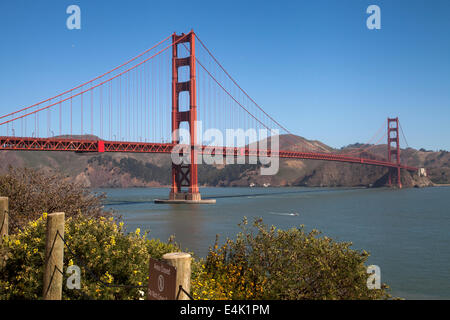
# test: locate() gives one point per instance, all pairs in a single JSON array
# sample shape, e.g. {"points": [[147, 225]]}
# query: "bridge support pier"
{"points": [[394, 173], [185, 196]]}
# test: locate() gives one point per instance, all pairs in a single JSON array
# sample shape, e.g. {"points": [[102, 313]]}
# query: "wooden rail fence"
{"points": [[54, 257]]}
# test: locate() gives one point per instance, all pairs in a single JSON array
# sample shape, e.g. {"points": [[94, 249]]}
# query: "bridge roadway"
{"points": [[79, 145]]}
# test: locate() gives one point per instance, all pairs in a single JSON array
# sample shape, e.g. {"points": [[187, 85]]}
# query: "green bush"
{"points": [[105, 254], [267, 263], [32, 192], [261, 263]]}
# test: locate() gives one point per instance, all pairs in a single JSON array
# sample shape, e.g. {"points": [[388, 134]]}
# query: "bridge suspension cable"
{"points": [[88, 82], [127, 83], [239, 95], [403, 134], [243, 91]]}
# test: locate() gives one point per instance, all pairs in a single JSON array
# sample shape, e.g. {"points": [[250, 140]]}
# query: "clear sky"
{"points": [[313, 65]]}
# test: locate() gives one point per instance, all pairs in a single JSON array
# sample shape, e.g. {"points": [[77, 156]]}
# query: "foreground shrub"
{"points": [[105, 253], [32, 192], [267, 263], [261, 263]]}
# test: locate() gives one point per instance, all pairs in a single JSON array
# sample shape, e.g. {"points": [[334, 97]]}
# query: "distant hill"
{"points": [[151, 170], [77, 137]]}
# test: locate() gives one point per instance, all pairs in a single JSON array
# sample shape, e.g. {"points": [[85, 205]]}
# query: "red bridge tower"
{"points": [[184, 175], [393, 150]]}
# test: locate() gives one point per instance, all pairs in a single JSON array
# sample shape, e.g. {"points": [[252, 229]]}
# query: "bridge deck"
{"points": [[53, 144]]}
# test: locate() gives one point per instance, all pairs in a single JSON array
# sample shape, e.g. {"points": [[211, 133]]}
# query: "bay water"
{"points": [[406, 232]]}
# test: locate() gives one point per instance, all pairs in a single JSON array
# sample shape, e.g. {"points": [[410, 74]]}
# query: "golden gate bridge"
{"points": [[139, 105]]}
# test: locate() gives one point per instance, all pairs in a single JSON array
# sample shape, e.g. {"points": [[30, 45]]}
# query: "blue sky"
{"points": [[313, 65]]}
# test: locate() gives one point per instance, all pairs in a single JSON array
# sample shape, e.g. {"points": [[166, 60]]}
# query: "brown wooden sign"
{"points": [[161, 281]]}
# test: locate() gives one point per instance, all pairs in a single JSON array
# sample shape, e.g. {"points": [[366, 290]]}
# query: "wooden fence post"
{"points": [[3, 217], [181, 261], [54, 254]]}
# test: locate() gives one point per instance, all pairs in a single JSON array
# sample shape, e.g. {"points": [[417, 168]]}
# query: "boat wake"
{"points": [[292, 214]]}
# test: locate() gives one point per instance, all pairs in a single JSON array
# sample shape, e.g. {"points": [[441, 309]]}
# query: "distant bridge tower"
{"points": [[184, 175], [393, 149]]}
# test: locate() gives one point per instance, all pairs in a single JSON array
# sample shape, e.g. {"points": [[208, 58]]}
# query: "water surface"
{"points": [[407, 232]]}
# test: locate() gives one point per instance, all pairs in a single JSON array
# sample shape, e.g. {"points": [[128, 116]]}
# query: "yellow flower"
{"points": [[70, 262], [109, 278], [17, 242], [44, 215], [138, 231], [35, 250]]}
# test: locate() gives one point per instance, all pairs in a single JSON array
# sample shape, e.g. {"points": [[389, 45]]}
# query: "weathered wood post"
{"points": [[54, 254], [3, 217], [181, 261]]}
